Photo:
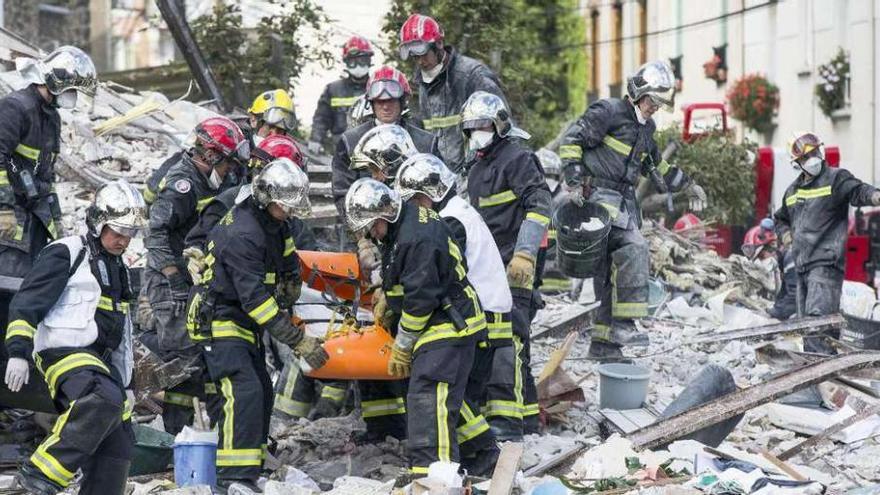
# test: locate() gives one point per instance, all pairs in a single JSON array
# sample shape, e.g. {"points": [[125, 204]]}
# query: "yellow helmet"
{"points": [[275, 108]]}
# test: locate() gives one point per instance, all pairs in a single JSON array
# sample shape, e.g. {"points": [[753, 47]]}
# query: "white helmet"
{"points": [[655, 80], [119, 206], [385, 147], [483, 108], [285, 184], [368, 200], [424, 173], [66, 68]]}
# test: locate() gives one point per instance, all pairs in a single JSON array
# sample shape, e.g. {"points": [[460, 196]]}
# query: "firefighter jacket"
{"points": [[817, 213], [424, 276], [609, 148], [176, 211], [332, 112], [342, 176], [249, 252], [156, 182], [506, 185], [76, 296], [222, 203], [30, 136], [485, 269], [440, 101]]}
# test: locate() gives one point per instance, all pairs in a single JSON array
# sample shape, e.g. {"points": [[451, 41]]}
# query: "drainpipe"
{"points": [[875, 58]]}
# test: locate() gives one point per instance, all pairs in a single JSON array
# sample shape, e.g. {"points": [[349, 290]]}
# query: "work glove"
{"points": [[179, 292], [400, 363], [285, 331], [288, 291], [144, 315], [521, 270], [368, 255], [312, 351], [8, 223], [786, 238], [195, 263], [696, 198], [17, 373], [315, 147], [382, 315], [875, 198]]}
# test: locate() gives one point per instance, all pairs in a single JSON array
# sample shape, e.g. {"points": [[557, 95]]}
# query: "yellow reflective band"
{"points": [[444, 449], [210, 388], [456, 253], [664, 167], [618, 146], [292, 407], [414, 323], [53, 231], [20, 328], [149, 195], [629, 310], [418, 470], [471, 429], [383, 407], [127, 410], [518, 372], [340, 101], [19, 233], [441, 122], [501, 198], [551, 234], [4, 179], [49, 466], [448, 331], [505, 408], [178, 399], [239, 457], [228, 412], [818, 192], [601, 332], [270, 278], [531, 410], [612, 210], [333, 393], [107, 304], [537, 217], [500, 329], [289, 246], [69, 363], [571, 152], [396, 291], [229, 329], [265, 311], [28, 152], [555, 285], [202, 203]]}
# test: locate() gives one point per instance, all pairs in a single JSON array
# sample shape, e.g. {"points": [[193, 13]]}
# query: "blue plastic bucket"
{"points": [[195, 463]]}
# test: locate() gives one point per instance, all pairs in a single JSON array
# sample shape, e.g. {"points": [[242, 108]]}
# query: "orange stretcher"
{"points": [[337, 274], [356, 354]]}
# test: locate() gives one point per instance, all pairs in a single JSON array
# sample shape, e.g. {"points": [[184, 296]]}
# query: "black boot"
{"points": [[31, 479], [625, 333], [105, 476], [606, 351], [482, 463], [223, 485]]}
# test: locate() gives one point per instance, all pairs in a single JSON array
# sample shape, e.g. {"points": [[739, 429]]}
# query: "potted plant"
{"points": [[833, 87], [754, 101]]}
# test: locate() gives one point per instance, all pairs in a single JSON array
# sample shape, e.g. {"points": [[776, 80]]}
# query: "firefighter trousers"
{"points": [[238, 371], [818, 294], [496, 384], [521, 317], [296, 393], [383, 408], [93, 432], [622, 284]]}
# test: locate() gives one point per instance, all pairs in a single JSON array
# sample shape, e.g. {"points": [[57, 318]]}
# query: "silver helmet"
{"points": [[119, 206], [285, 184], [360, 112], [482, 109], [67, 68], [550, 162], [368, 200], [655, 80], [385, 147], [424, 173]]}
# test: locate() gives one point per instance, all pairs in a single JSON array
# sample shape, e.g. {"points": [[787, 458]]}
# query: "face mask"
{"points": [[66, 100], [641, 118], [214, 180], [480, 139], [358, 71], [431, 74], [257, 140], [812, 166]]}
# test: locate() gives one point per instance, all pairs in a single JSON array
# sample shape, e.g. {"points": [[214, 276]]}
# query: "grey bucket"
{"points": [[622, 386], [580, 253]]}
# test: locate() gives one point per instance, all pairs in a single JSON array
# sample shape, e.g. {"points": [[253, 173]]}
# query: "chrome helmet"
{"points": [[67, 68], [360, 112], [119, 206], [385, 147], [368, 200], [424, 173], [552, 165], [285, 184], [483, 108], [654, 80]]}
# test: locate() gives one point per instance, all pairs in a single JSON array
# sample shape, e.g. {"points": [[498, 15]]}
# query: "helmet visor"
{"points": [[477, 124], [279, 117], [292, 209], [126, 231], [664, 99], [380, 90], [414, 48]]}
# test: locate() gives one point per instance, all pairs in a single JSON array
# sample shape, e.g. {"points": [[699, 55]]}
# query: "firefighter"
{"points": [[552, 280], [252, 257], [217, 146], [813, 218], [604, 152], [339, 96], [71, 313], [506, 185], [446, 79], [271, 113], [439, 320], [495, 383]]}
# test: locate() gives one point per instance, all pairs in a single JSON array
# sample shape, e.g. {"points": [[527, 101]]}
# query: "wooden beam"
{"points": [[505, 469]]}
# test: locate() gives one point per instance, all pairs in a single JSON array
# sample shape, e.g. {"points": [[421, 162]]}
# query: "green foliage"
{"points": [[832, 87], [527, 42], [725, 170], [272, 56]]}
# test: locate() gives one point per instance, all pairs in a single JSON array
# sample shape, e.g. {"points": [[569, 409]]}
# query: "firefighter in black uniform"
{"points": [[506, 185], [813, 219], [251, 259], [219, 146], [439, 321], [71, 313], [340, 95]]}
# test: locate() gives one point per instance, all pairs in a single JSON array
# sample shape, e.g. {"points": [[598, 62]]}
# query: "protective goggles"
{"points": [[381, 90], [360, 60], [279, 117], [414, 48]]}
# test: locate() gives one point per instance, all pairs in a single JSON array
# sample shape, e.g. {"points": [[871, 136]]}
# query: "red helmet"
{"points": [[355, 47], [687, 222], [757, 239], [418, 34], [281, 146], [387, 82], [220, 135]]}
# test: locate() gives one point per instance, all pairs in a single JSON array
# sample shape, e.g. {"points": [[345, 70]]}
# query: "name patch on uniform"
{"points": [[182, 186]]}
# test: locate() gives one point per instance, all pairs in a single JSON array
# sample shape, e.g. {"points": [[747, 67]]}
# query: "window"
{"points": [[594, 50], [616, 43], [643, 31]]}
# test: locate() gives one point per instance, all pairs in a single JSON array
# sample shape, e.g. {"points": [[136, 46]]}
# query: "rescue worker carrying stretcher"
{"points": [[251, 253], [71, 313], [812, 222], [604, 153], [506, 185], [424, 279]]}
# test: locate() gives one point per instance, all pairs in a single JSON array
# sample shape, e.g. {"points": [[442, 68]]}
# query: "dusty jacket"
{"points": [[610, 148], [817, 214], [332, 112], [440, 101], [30, 136]]}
